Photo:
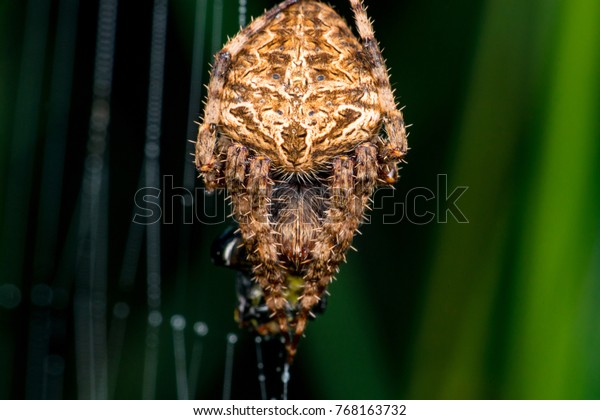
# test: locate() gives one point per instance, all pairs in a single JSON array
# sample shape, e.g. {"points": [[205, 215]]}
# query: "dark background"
{"points": [[503, 96]]}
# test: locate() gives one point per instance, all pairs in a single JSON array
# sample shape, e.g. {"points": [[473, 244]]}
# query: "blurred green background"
{"points": [[504, 98]]}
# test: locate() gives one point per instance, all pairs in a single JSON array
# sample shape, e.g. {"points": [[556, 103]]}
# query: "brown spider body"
{"points": [[300, 92], [296, 106]]}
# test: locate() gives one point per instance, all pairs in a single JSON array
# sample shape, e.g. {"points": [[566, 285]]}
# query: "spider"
{"points": [[300, 126]]}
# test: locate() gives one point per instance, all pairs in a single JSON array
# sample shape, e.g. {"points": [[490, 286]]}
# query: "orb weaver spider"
{"points": [[300, 126]]}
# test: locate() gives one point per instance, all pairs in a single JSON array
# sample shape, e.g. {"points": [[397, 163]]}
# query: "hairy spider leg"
{"points": [[352, 183], [250, 189], [395, 148], [206, 161]]}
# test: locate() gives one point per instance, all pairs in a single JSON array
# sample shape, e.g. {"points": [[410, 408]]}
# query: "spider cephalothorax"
{"points": [[300, 126]]}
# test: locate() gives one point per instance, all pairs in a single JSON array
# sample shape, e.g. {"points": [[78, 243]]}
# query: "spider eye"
{"points": [[276, 76], [320, 78], [280, 112], [311, 113]]}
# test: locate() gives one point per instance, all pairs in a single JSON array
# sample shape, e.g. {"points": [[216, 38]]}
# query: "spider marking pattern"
{"points": [[300, 126]]}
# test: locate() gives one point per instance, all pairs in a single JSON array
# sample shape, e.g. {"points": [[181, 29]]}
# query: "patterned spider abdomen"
{"points": [[301, 91]]}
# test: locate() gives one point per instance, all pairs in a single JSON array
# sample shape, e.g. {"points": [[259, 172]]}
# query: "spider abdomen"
{"points": [[292, 90]]}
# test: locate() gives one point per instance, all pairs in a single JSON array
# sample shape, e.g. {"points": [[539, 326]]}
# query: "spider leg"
{"points": [[352, 183], [206, 161], [250, 188], [393, 150]]}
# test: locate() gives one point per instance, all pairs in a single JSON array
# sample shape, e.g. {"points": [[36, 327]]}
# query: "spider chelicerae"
{"points": [[300, 126]]}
